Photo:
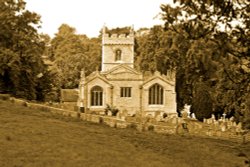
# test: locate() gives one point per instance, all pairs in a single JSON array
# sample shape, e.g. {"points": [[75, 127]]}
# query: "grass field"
{"points": [[38, 138]]}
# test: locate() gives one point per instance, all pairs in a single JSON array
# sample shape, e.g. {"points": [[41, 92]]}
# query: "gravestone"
{"points": [[193, 116], [109, 113], [184, 114], [186, 111]]}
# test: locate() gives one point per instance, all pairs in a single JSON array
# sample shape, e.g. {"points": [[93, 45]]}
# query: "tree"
{"points": [[20, 50], [153, 51], [219, 52], [70, 54], [163, 51]]}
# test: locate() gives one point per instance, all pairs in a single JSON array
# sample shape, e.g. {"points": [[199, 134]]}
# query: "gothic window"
{"points": [[118, 55], [125, 91], [155, 96], [96, 96]]}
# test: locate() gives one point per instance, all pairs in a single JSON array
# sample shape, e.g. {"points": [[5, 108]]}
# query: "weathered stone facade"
{"points": [[118, 84]]}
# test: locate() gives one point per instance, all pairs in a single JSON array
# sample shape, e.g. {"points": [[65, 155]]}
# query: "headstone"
{"points": [[216, 124], [158, 118], [223, 127], [184, 114], [193, 116], [120, 115], [239, 126], [123, 117], [186, 111], [109, 113], [224, 116], [232, 119], [213, 116], [209, 121], [175, 120], [157, 113], [125, 113], [204, 120]]}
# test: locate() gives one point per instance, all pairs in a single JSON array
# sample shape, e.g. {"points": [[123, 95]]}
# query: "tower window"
{"points": [[118, 55], [155, 95], [96, 96], [125, 91]]}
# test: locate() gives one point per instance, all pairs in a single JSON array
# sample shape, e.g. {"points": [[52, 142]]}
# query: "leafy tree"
{"points": [[71, 53], [153, 52], [21, 65], [163, 51], [218, 32]]}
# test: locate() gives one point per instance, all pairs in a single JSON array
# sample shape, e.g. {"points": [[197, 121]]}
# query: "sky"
{"points": [[89, 16]]}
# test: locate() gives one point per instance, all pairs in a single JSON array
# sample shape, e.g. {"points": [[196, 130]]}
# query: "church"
{"points": [[120, 85]]}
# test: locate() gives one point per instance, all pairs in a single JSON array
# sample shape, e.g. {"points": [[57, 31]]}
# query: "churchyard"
{"points": [[36, 137]]}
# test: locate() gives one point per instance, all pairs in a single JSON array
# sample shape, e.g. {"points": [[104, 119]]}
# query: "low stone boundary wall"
{"points": [[43, 107], [173, 125]]}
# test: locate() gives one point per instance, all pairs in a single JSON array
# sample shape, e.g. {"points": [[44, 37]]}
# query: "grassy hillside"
{"points": [[37, 138]]}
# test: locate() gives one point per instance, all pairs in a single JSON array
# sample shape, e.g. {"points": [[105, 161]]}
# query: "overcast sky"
{"points": [[89, 16]]}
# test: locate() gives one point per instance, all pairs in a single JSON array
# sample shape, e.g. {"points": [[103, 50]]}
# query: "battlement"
{"points": [[122, 39], [117, 39]]}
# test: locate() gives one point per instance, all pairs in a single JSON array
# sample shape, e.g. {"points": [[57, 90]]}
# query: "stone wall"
{"points": [[132, 104], [222, 129]]}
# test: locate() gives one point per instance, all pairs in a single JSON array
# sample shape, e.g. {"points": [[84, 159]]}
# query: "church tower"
{"points": [[117, 49]]}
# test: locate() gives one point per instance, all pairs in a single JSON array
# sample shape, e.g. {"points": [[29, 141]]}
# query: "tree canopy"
{"points": [[218, 55], [70, 54], [21, 65]]}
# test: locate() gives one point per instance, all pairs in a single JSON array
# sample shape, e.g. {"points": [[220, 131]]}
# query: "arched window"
{"points": [[96, 96], [118, 55], [155, 95]]}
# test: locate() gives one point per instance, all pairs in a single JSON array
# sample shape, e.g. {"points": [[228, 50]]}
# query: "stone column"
{"points": [[111, 95], [85, 100], [140, 87]]}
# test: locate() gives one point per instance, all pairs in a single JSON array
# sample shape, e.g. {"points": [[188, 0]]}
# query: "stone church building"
{"points": [[120, 85]]}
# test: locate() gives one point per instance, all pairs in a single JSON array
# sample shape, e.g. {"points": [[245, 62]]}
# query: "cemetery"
{"points": [[226, 129]]}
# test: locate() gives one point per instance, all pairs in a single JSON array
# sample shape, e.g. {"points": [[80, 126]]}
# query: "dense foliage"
{"points": [[205, 42], [218, 55], [22, 72], [70, 53]]}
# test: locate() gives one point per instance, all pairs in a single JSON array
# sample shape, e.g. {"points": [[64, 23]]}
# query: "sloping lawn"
{"points": [[38, 138]]}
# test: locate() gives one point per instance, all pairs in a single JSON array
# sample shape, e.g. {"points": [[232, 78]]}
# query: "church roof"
{"points": [[161, 77], [95, 75], [130, 69]]}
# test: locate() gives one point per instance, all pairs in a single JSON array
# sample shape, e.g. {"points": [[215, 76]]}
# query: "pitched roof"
{"points": [[132, 70]]}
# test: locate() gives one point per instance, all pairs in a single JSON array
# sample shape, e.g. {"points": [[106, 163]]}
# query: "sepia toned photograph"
{"points": [[115, 83]]}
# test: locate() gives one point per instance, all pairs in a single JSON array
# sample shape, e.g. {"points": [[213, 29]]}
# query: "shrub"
{"points": [[202, 104], [132, 126], [165, 115], [151, 128], [112, 109], [4, 96], [101, 120]]}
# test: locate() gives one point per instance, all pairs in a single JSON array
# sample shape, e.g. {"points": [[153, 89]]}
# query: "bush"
{"points": [[101, 120], [202, 104], [4, 96], [132, 126], [112, 109], [165, 115], [151, 128]]}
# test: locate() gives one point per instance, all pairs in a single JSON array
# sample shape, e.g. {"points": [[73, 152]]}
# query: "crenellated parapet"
{"points": [[117, 49], [116, 39]]}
